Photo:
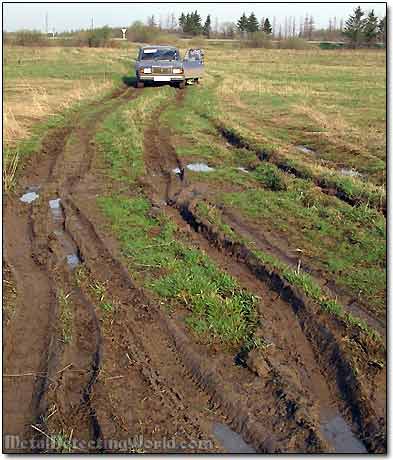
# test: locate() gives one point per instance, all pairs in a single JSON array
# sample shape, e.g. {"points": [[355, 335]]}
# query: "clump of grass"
{"points": [[62, 442], [66, 316], [269, 176], [100, 292]]}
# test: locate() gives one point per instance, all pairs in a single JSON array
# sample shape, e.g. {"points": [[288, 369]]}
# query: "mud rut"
{"points": [[137, 372]]}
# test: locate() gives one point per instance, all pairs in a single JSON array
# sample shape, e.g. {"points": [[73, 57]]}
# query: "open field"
{"points": [[244, 304]]}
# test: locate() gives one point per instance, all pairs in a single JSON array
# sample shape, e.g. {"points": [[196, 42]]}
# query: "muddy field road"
{"points": [[138, 380]]}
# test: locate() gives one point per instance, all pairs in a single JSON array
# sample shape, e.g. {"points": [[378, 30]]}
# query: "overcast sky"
{"points": [[63, 16]]}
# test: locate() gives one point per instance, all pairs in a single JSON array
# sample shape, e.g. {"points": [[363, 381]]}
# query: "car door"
{"points": [[193, 63]]}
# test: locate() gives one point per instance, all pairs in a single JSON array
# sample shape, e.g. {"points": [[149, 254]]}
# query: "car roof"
{"points": [[158, 47]]}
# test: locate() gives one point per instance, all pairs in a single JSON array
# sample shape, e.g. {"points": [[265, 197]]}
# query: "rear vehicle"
{"points": [[164, 64]]}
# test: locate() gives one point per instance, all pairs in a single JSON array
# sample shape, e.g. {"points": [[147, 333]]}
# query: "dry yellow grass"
{"points": [[30, 103]]}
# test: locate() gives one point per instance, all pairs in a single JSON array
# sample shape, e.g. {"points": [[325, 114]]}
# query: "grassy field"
{"points": [[320, 100], [41, 84], [278, 101]]}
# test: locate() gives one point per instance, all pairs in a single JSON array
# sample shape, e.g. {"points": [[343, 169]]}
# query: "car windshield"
{"points": [[159, 54]]}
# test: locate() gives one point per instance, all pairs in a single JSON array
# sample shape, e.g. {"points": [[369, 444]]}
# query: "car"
{"points": [[164, 64]]}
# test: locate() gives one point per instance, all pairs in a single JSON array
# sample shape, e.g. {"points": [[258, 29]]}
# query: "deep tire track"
{"points": [[361, 414]]}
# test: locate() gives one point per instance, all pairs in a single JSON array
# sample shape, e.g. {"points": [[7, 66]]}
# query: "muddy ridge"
{"points": [[266, 155]]}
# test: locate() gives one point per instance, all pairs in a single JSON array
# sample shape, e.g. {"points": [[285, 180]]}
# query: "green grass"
{"points": [[100, 293], [121, 136], [347, 242], [217, 308]]}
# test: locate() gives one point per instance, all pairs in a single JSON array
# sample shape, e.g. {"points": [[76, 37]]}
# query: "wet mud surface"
{"points": [[74, 371]]}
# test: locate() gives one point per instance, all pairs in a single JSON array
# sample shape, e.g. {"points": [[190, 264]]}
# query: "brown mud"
{"points": [[90, 356]]}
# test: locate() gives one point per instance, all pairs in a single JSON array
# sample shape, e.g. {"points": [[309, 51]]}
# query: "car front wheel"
{"points": [[140, 84], [181, 85]]}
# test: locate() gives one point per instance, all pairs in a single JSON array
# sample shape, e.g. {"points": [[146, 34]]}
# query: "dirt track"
{"points": [[140, 373]]}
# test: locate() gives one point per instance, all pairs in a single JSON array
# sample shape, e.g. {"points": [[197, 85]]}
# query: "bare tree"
{"points": [[305, 26], [293, 26], [311, 25], [274, 30], [301, 24], [151, 21], [216, 26], [173, 23]]}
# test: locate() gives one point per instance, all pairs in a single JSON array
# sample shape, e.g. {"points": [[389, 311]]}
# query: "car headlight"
{"points": [[146, 70], [177, 70]]}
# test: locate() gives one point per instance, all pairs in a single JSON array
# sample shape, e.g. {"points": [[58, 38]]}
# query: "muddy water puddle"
{"points": [[29, 197], [232, 442], [31, 194], [199, 167], [339, 435], [196, 167], [68, 247]]}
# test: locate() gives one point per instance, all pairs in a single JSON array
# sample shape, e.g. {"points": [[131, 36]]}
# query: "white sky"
{"points": [[63, 16]]}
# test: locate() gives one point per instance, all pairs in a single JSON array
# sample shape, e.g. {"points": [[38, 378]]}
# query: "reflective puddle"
{"points": [[231, 441], [29, 197], [199, 167], [339, 435], [68, 246]]}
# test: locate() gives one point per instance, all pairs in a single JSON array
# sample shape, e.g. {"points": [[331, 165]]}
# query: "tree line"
{"points": [[360, 29]]}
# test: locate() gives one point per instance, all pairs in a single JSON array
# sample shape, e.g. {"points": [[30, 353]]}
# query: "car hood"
{"points": [[158, 63]]}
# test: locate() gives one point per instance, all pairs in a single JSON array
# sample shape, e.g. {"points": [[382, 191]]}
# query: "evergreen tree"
{"points": [[182, 21], [242, 23], [382, 30], [207, 27], [267, 28], [371, 28], [196, 23], [252, 23], [354, 27]]}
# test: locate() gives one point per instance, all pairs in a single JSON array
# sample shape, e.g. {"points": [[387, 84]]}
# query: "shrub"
{"points": [[294, 43], [30, 38], [100, 37], [258, 40], [138, 32]]}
